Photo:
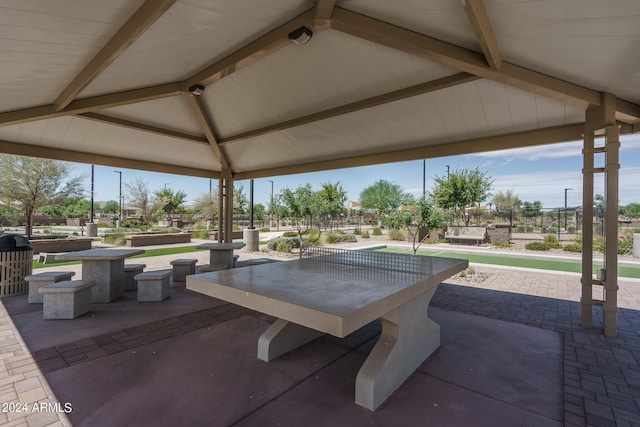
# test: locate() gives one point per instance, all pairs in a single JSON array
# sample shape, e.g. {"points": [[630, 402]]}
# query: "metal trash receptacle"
{"points": [[16, 263]]}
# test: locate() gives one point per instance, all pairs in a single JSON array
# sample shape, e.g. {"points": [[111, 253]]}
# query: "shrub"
{"points": [[265, 230], [537, 246], [397, 235], [377, 231], [552, 241], [290, 234], [273, 244], [339, 238], [572, 247], [364, 234], [200, 234], [625, 245], [357, 232], [284, 245], [502, 245]]}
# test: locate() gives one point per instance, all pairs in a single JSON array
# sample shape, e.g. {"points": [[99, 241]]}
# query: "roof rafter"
{"points": [[419, 89], [481, 25], [139, 22], [257, 49], [143, 127], [91, 104], [207, 127], [323, 10], [100, 159], [459, 58]]}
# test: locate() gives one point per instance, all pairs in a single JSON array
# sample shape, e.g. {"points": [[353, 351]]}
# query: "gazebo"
{"points": [[235, 90]]}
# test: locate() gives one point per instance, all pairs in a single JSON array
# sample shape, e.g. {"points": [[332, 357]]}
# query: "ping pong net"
{"points": [[336, 260]]}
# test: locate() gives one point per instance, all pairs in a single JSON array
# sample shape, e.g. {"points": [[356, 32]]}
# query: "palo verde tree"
{"points": [[423, 217], [300, 205], [169, 200], [460, 190], [384, 196], [207, 205], [331, 199], [31, 183], [506, 202]]}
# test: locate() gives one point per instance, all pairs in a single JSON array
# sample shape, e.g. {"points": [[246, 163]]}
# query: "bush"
{"points": [[625, 245], [377, 231], [502, 245], [552, 241], [572, 247], [284, 245], [290, 234], [364, 234], [537, 246], [357, 232], [200, 234], [265, 230], [293, 242], [397, 235], [340, 237]]}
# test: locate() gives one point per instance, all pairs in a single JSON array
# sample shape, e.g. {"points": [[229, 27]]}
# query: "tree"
{"points": [[331, 199], [139, 196], [383, 197], [111, 207], [34, 182], [632, 210], [207, 204], [531, 209], [506, 202], [461, 189], [169, 200], [425, 217], [240, 201]]}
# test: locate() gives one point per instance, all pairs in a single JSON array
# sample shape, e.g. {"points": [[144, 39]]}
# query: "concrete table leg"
{"points": [[108, 277], [282, 337], [221, 256], [408, 337]]}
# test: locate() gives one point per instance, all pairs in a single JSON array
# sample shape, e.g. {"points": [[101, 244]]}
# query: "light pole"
{"points": [[424, 178], [271, 204], [447, 171], [565, 207], [119, 201]]}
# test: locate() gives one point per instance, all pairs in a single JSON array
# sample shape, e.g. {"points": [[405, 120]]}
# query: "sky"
{"points": [[535, 173]]}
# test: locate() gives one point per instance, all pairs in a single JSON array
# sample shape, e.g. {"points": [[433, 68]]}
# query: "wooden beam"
{"points": [[323, 10], [481, 25], [207, 127], [258, 49], [143, 127], [419, 89], [9, 147], [460, 58], [139, 22], [91, 104], [550, 135], [627, 112]]}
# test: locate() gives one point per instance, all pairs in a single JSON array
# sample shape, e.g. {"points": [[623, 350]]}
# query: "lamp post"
{"points": [[565, 207], [119, 223], [271, 204], [424, 178]]}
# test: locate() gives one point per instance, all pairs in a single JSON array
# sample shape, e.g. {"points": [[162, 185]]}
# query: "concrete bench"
{"points": [[477, 234], [130, 272], [153, 285], [207, 268], [66, 300], [49, 258], [37, 281], [182, 268]]}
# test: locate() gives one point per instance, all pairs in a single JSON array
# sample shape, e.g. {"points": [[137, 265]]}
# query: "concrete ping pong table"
{"points": [[337, 291]]}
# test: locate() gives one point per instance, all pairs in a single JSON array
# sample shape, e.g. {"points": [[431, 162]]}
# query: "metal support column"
{"points": [[612, 149]]}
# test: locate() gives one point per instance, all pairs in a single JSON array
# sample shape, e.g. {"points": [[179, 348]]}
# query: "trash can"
{"points": [[16, 261]]}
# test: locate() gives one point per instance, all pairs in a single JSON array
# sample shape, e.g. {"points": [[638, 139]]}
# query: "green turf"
{"points": [[147, 253], [566, 266]]}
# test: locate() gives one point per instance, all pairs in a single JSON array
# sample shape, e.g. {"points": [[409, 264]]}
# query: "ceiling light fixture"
{"points": [[197, 90], [301, 36]]}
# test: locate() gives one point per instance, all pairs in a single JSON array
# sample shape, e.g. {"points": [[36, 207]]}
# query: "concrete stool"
{"points": [[130, 271], [153, 285], [235, 260], [207, 268], [183, 268], [66, 300], [36, 281]]}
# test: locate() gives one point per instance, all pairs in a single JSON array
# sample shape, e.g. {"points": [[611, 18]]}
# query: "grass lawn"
{"points": [[565, 266]]}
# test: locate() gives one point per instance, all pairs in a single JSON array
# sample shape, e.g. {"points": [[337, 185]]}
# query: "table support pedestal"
{"points": [[408, 337], [282, 337]]}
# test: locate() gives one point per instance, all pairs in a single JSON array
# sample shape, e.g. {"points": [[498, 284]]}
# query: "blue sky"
{"points": [[536, 173]]}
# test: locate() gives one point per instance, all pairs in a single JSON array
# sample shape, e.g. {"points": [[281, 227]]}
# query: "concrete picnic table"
{"points": [[221, 253], [106, 268]]}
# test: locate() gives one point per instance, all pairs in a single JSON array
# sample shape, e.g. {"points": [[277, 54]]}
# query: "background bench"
{"points": [[477, 234]]}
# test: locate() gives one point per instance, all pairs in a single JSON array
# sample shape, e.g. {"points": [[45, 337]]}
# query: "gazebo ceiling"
{"points": [[108, 81]]}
